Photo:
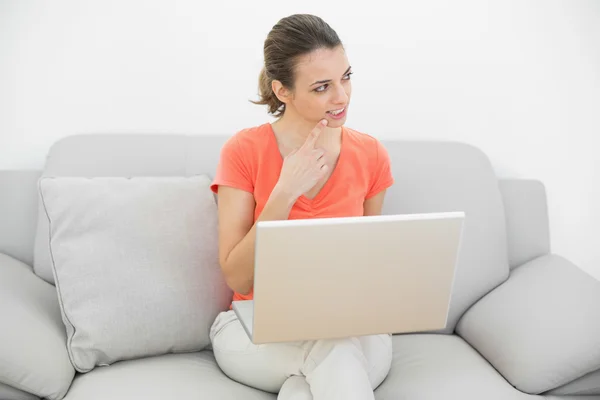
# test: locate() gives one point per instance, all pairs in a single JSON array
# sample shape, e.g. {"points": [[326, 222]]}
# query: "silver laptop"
{"points": [[341, 277]]}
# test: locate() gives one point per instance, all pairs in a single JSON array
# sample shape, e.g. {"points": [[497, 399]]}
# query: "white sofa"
{"points": [[524, 322]]}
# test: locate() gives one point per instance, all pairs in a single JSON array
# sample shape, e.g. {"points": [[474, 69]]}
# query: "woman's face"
{"points": [[322, 87]]}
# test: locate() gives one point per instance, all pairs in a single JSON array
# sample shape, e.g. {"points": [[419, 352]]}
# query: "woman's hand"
{"points": [[304, 167]]}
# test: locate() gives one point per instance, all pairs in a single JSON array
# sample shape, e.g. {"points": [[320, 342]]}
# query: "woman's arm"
{"points": [[301, 171], [237, 232], [373, 205]]}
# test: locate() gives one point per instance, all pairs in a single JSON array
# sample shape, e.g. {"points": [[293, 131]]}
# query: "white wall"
{"points": [[519, 79]]}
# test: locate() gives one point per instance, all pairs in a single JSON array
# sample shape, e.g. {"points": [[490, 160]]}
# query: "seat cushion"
{"points": [[433, 367], [173, 376]]}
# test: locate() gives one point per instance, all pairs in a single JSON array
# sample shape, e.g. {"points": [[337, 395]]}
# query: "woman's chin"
{"points": [[335, 122]]}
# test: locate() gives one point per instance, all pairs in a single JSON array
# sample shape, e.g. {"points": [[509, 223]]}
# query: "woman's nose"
{"points": [[341, 97]]}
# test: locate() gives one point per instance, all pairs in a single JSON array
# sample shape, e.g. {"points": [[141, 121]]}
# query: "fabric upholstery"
{"points": [[172, 376], [527, 224], [540, 329], [587, 385], [18, 213], [10, 393], [33, 357], [124, 155], [438, 366]]}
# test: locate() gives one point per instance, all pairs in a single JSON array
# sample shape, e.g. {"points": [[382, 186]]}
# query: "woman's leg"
{"points": [[347, 368], [337, 369], [295, 388], [378, 351], [334, 369], [265, 367]]}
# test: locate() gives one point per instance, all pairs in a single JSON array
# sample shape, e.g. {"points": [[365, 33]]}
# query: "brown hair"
{"points": [[290, 38]]}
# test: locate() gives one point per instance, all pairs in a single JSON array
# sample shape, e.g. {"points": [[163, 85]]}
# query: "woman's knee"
{"points": [[378, 353], [333, 353], [295, 388], [372, 353]]}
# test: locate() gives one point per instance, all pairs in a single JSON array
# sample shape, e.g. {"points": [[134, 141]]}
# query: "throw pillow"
{"points": [[135, 261]]}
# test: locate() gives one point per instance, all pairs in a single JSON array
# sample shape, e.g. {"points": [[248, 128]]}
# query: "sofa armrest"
{"points": [[33, 353], [541, 328], [527, 225]]}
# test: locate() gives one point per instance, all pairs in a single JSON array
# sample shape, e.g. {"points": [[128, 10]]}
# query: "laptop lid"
{"points": [[352, 276]]}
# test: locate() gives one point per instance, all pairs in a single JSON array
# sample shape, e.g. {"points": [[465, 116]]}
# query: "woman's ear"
{"points": [[282, 93]]}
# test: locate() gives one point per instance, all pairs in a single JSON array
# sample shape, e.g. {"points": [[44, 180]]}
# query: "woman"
{"points": [[306, 164]]}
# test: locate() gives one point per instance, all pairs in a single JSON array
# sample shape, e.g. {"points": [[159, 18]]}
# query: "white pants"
{"points": [[324, 369]]}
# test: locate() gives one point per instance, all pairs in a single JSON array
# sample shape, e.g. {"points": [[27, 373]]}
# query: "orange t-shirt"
{"points": [[250, 160]]}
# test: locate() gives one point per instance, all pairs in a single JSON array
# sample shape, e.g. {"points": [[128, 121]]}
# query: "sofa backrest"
{"points": [[430, 177], [18, 210]]}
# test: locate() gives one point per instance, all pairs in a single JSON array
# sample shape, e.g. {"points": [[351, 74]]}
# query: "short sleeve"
{"points": [[232, 170], [381, 171]]}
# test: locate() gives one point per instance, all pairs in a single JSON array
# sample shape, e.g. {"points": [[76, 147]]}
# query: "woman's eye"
{"points": [[321, 89]]}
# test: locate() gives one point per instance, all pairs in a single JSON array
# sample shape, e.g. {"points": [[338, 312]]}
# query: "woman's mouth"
{"points": [[337, 114]]}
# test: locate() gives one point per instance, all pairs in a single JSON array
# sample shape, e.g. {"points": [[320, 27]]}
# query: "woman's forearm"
{"points": [[239, 264]]}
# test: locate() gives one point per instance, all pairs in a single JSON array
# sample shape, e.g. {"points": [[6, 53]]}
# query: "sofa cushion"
{"points": [[33, 357], [135, 263], [587, 385], [10, 393], [541, 328], [432, 367], [172, 376], [123, 155]]}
